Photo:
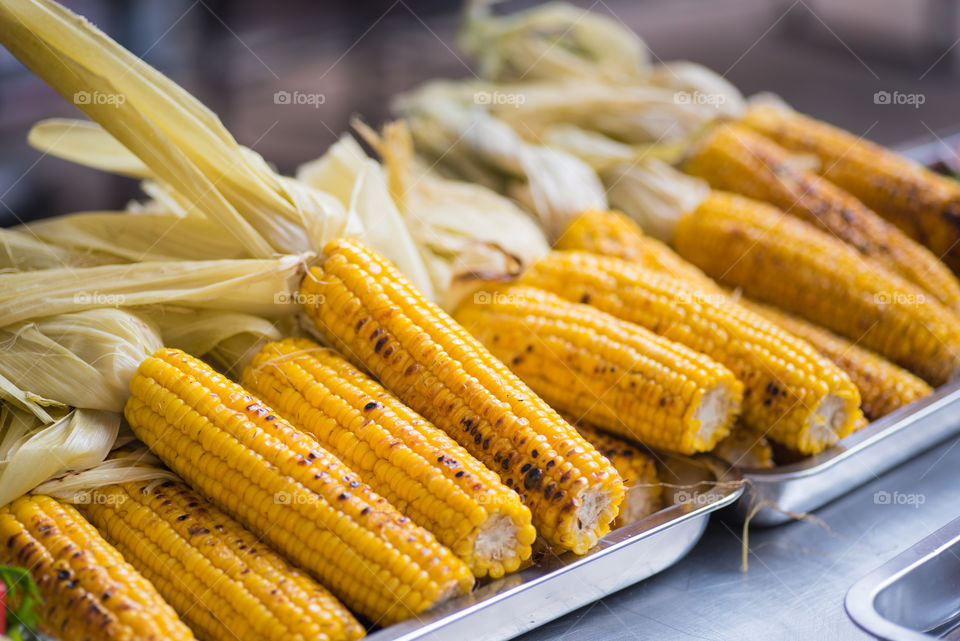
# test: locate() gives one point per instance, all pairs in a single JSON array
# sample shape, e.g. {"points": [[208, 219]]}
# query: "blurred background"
{"points": [[831, 58]]}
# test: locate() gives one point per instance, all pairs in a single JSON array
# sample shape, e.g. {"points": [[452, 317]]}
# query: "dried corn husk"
{"points": [[359, 183], [20, 250], [141, 237], [32, 451], [550, 182], [553, 40], [265, 288], [463, 231], [84, 359]]}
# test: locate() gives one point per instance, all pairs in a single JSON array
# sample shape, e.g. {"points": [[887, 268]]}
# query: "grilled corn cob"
{"points": [[638, 471], [227, 585], [608, 372], [611, 233], [740, 160], [777, 259], [883, 386], [925, 205], [375, 316], [280, 483], [745, 447], [89, 591], [803, 399], [408, 461]]}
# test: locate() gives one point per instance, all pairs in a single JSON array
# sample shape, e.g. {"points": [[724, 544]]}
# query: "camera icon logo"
{"points": [[882, 98], [881, 497], [281, 97]]}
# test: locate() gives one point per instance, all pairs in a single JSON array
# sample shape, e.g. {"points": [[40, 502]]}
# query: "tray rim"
{"points": [[859, 602], [649, 526]]}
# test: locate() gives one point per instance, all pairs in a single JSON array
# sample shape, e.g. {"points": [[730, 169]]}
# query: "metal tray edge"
{"points": [[430, 624], [861, 597]]}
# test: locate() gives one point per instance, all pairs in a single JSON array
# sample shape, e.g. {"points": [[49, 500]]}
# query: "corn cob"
{"points": [[745, 447], [375, 316], [777, 259], [883, 386], [89, 591], [801, 398], [925, 205], [408, 461], [611, 233], [227, 585], [282, 485], [608, 372], [740, 160], [638, 471]]}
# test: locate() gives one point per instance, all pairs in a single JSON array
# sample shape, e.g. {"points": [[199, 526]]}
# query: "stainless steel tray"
{"points": [[885, 443], [504, 608], [916, 595]]}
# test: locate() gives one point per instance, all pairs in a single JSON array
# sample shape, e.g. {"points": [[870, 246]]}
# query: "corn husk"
{"points": [[143, 237], [551, 41], [130, 464], [78, 360], [32, 452], [182, 143], [654, 194], [553, 184], [21, 250], [265, 288], [465, 232], [360, 184]]}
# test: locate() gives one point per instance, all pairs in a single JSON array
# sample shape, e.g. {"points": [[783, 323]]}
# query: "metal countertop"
{"points": [[798, 574]]}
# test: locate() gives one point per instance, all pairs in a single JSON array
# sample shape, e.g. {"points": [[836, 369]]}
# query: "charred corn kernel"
{"points": [[923, 204], [89, 591], [227, 585], [375, 316], [737, 159], [777, 259], [638, 471], [803, 399], [745, 447], [423, 472], [279, 482], [883, 386], [611, 233], [606, 371]]}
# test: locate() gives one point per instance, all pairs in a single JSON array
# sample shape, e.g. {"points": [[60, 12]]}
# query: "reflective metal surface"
{"points": [[798, 575], [514, 604], [916, 595], [865, 455]]}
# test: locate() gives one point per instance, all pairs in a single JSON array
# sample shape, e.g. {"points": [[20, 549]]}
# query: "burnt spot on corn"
{"points": [[197, 530], [359, 324], [380, 344], [532, 478], [372, 405]]}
